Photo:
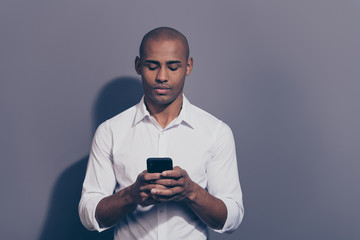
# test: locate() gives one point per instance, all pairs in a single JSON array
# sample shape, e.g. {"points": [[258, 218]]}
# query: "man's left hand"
{"points": [[178, 185]]}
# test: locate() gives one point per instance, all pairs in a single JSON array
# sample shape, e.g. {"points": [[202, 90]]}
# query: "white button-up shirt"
{"points": [[196, 141]]}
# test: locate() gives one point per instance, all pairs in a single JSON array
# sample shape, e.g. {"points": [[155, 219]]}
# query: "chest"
{"points": [[188, 148]]}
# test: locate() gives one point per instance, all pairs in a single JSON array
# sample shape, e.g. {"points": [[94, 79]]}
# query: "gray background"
{"points": [[283, 74]]}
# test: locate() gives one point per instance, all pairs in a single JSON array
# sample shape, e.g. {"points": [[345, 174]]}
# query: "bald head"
{"points": [[164, 33]]}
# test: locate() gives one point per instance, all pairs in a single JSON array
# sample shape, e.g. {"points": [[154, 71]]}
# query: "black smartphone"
{"points": [[158, 165]]}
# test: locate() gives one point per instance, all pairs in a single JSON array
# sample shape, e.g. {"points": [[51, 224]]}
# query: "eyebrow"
{"points": [[152, 61], [168, 62], [173, 62]]}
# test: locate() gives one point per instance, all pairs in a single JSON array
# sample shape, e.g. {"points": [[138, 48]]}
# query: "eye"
{"points": [[173, 68], [152, 67]]}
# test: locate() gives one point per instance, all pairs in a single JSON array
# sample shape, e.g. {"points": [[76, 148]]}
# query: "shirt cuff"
{"points": [[87, 214], [235, 213]]}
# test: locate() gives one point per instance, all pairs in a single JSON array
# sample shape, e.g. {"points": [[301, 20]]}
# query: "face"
{"points": [[163, 68]]}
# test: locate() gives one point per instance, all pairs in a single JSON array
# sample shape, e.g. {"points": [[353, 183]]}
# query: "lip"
{"points": [[161, 90]]}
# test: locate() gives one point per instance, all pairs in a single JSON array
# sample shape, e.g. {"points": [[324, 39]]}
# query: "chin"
{"points": [[162, 99]]}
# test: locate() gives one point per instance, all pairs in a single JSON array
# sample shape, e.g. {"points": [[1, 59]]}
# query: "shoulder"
{"points": [[206, 119], [119, 122], [208, 124], [126, 116], [213, 130]]}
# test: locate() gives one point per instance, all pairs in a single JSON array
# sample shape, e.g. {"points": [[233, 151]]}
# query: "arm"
{"points": [[99, 207], [210, 209], [112, 208]]}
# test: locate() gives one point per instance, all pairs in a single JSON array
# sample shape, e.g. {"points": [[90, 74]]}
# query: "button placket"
{"points": [[162, 144], [161, 211], [162, 221]]}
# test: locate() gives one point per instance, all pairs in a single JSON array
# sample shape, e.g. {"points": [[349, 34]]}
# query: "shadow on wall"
{"points": [[63, 221]]}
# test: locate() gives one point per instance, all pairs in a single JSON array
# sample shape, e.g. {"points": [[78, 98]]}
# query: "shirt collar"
{"points": [[141, 111], [185, 115]]}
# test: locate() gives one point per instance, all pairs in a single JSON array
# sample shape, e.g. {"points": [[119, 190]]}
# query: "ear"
{"points": [[137, 65], [189, 66]]}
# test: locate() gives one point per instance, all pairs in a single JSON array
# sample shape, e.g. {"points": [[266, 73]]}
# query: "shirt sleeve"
{"points": [[223, 177], [99, 180]]}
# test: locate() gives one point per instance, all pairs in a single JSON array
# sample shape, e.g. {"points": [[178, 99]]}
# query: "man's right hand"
{"points": [[112, 208], [140, 191]]}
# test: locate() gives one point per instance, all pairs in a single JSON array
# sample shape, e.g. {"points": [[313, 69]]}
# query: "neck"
{"points": [[164, 113]]}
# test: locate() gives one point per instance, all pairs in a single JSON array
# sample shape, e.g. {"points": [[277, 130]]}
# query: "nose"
{"points": [[162, 75]]}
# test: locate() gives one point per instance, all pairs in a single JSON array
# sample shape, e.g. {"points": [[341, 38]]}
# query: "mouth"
{"points": [[161, 90]]}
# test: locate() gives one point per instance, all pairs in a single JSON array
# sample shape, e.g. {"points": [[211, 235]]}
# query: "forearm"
{"points": [[211, 210], [112, 208]]}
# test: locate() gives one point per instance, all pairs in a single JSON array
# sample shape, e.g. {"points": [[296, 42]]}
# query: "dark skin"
{"points": [[164, 105], [153, 188]]}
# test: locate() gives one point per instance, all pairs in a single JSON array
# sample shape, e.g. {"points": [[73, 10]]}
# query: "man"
{"points": [[203, 189]]}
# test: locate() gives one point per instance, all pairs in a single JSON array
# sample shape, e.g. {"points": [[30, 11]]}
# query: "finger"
{"points": [[144, 195], [166, 192], [169, 182], [148, 187], [177, 197], [163, 197], [175, 173], [174, 198], [151, 176]]}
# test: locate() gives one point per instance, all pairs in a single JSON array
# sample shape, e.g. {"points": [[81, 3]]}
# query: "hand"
{"points": [[176, 186], [114, 207], [140, 190]]}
